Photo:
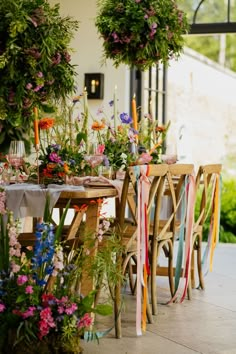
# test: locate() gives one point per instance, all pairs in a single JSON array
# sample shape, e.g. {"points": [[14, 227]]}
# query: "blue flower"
{"points": [[125, 118]]}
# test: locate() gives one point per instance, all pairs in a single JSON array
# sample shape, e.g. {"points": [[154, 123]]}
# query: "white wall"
{"points": [[201, 95], [88, 55]]}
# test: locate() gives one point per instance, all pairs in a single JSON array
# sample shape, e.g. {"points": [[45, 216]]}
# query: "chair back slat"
{"points": [[205, 186]]}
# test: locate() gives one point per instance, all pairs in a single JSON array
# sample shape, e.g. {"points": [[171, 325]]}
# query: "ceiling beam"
{"points": [[210, 28]]}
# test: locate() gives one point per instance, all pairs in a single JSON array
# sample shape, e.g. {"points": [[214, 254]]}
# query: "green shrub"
{"points": [[227, 215]]}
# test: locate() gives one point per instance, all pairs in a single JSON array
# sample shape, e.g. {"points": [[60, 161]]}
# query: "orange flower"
{"points": [[66, 168], [46, 123], [160, 129], [98, 126], [61, 174], [51, 166], [46, 173], [81, 208]]}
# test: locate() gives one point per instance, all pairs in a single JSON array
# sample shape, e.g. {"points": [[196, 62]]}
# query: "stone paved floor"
{"points": [[206, 324]]}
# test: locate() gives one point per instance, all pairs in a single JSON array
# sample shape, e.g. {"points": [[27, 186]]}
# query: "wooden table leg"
{"points": [[92, 222]]}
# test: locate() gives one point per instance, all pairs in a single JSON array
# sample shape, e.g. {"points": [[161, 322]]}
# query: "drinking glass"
{"points": [[94, 158], [16, 156]]}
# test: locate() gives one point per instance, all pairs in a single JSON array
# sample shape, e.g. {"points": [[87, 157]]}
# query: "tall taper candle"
{"points": [[36, 128], [85, 125], [134, 116], [115, 108]]}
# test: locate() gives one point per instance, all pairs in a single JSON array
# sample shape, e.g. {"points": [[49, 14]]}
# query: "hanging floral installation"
{"points": [[35, 63], [141, 33]]}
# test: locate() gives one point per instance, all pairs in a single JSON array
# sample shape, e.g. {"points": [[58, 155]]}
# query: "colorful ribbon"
{"points": [[143, 269], [187, 198], [213, 235]]}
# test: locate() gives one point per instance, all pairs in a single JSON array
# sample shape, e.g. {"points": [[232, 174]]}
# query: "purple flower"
{"points": [[54, 157], [111, 103], [125, 118], [106, 161]]}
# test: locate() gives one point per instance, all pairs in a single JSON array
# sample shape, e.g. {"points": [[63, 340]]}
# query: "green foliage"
{"points": [[35, 66], [228, 213], [141, 33]]}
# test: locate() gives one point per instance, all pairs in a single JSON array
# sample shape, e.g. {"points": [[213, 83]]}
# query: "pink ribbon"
{"points": [[143, 186]]}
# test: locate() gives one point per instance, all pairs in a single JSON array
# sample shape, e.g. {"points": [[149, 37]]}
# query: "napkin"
{"points": [[78, 181]]}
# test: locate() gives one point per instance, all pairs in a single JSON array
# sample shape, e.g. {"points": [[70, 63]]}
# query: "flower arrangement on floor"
{"points": [[35, 63], [41, 310], [141, 33]]}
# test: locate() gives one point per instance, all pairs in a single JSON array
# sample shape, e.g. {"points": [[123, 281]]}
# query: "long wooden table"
{"points": [[86, 205]]}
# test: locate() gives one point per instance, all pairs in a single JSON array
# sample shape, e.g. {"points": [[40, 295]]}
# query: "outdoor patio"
{"points": [[205, 325]]}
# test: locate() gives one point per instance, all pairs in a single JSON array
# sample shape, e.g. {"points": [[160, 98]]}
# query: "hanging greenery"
{"points": [[35, 66], [141, 33]]}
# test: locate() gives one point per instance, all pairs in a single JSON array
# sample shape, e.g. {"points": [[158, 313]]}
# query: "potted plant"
{"points": [[35, 65], [141, 33]]}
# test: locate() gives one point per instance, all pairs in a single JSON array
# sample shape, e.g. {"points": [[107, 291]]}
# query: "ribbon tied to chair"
{"points": [[143, 269]]}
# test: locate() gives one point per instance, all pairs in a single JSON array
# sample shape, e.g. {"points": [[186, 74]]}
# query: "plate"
{"points": [[98, 184]]}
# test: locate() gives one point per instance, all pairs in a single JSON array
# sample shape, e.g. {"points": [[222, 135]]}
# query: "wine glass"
{"points": [[94, 158], [16, 155]]}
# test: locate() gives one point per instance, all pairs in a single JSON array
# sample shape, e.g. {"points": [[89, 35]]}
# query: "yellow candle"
{"points": [[134, 114], [36, 127]]}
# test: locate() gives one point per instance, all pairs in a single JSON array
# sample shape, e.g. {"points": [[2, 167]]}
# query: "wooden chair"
{"points": [[127, 227], [163, 232], [207, 190]]}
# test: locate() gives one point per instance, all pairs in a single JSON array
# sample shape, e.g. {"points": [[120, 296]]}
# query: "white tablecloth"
{"points": [[29, 199]]}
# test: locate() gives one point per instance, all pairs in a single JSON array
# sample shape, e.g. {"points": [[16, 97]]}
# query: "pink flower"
{"points": [[144, 158], [29, 86], [60, 309], [29, 312], [15, 268], [101, 148], [85, 321], [2, 307], [46, 322], [29, 289], [38, 88], [71, 309], [22, 279], [3, 202]]}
